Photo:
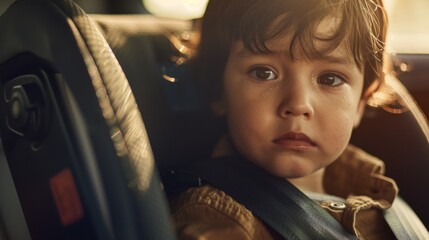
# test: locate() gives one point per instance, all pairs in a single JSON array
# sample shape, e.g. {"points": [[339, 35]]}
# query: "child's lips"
{"points": [[295, 141]]}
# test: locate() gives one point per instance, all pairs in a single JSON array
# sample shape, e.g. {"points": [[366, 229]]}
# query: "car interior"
{"points": [[94, 106]]}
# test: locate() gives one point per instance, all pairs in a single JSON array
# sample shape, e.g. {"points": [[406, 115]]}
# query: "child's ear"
{"points": [[364, 99], [218, 107], [360, 112]]}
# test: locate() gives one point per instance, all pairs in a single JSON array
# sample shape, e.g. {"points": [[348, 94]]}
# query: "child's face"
{"points": [[291, 117]]}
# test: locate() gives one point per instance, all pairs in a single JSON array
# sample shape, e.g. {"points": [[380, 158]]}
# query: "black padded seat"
{"points": [[76, 152]]}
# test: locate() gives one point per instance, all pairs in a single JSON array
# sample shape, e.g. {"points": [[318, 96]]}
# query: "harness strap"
{"points": [[274, 200]]}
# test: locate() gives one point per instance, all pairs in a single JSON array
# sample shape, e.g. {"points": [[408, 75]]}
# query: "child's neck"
{"points": [[310, 183]]}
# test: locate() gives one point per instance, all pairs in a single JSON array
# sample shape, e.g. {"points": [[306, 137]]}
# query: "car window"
{"points": [[408, 26], [180, 9]]}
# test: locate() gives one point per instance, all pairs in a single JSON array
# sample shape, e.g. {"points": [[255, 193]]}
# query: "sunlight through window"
{"points": [[408, 26], [178, 9]]}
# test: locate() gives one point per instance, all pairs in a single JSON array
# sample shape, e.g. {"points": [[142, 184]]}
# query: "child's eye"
{"points": [[331, 79], [263, 73]]}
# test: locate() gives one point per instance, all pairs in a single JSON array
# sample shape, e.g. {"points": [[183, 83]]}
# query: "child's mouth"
{"points": [[295, 141]]}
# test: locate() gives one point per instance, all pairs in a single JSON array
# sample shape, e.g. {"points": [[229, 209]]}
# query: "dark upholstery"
{"points": [[84, 121]]}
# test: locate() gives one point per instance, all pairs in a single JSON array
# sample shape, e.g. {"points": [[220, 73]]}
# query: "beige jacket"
{"points": [[209, 213]]}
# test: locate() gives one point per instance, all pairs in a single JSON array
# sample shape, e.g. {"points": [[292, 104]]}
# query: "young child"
{"points": [[291, 79]]}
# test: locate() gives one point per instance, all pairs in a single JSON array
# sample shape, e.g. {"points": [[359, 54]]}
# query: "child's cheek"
{"points": [[270, 90], [342, 130]]}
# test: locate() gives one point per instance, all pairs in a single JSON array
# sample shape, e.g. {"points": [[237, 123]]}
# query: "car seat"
{"points": [[176, 116], [75, 161]]}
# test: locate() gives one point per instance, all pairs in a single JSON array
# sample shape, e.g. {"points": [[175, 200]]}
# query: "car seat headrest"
{"points": [[176, 115]]}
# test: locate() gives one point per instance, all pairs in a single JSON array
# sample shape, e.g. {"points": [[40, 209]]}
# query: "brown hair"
{"points": [[254, 22]]}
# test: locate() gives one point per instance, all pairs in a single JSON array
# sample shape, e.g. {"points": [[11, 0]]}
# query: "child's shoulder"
{"points": [[360, 160], [356, 172], [210, 213], [210, 198]]}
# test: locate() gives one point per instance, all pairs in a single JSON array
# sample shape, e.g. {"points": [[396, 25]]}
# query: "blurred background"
{"points": [[408, 31]]}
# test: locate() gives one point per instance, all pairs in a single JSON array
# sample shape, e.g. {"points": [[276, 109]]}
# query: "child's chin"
{"points": [[288, 172]]}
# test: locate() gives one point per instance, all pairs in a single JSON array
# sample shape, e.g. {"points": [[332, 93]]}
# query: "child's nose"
{"points": [[296, 102]]}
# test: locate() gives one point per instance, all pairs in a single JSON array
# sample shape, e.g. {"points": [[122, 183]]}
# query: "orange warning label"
{"points": [[66, 197]]}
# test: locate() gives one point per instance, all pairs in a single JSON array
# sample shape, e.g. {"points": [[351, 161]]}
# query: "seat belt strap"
{"points": [[404, 222], [274, 200]]}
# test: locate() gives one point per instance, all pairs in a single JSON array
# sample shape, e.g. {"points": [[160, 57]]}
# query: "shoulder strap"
{"points": [[404, 222], [274, 200]]}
